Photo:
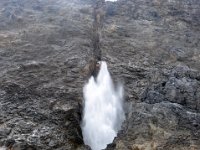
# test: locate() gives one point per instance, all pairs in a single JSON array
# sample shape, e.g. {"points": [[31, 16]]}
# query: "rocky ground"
{"points": [[152, 46]]}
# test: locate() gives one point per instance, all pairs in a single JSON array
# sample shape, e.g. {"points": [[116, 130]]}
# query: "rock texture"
{"points": [[152, 46], [43, 47]]}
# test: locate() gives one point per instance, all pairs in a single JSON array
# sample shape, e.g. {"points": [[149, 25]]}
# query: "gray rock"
{"points": [[162, 125], [180, 87], [4, 132], [151, 46]]}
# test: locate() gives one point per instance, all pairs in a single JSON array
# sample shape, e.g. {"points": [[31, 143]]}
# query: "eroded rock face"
{"points": [[43, 47], [162, 125], [152, 46], [182, 86]]}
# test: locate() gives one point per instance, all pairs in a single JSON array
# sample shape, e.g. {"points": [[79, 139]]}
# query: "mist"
{"points": [[103, 112]]}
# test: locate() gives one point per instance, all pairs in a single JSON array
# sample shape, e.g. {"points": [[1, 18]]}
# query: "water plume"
{"points": [[103, 112]]}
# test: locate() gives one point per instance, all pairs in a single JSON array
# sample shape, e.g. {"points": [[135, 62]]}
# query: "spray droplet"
{"points": [[103, 112]]}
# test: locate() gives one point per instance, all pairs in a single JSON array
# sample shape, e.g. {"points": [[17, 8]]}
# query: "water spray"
{"points": [[103, 112]]}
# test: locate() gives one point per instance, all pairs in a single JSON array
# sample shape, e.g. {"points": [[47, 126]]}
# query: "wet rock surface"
{"points": [[152, 47]]}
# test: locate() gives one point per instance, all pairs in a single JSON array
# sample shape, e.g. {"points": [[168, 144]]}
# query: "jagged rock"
{"points": [[151, 46], [181, 87], [162, 125], [40, 84]]}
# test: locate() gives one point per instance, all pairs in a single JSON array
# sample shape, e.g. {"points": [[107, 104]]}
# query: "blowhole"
{"points": [[103, 112]]}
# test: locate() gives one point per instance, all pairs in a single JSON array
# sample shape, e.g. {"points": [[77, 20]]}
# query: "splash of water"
{"points": [[103, 113]]}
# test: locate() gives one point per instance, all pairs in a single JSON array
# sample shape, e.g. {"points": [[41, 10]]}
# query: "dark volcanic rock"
{"points": [[162, 125], [151, 46], [40, 83], [181, 87]]}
